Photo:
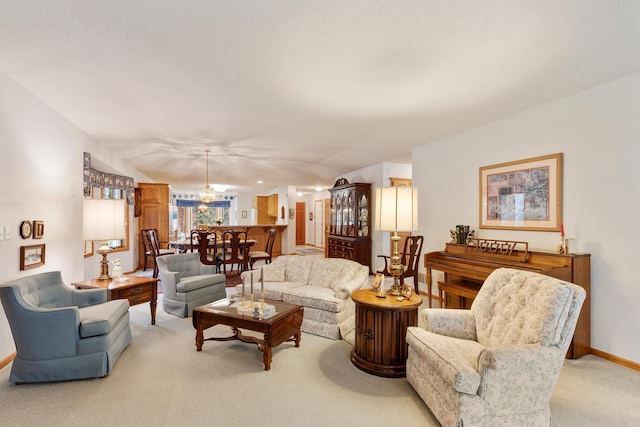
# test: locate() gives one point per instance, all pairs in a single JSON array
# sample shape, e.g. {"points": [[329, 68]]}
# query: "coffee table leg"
{"points": [[199, 337], [266, 357]]}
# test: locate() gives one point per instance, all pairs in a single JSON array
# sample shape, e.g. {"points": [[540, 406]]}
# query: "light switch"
{"points": [[7, 233], [1, 233]]}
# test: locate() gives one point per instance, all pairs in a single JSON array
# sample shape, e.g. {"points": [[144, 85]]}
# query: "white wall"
{"points": [[41, 178], [598, 130]]}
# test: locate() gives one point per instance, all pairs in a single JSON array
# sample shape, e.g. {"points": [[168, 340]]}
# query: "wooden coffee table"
{"points": [[281, 327], [136, 289]]}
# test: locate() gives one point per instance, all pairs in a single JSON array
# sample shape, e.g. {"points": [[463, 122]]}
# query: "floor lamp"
{"points": [[396, 210], [103, 220]]}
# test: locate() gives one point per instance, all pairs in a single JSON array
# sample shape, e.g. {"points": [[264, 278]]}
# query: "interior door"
{"points": [[301, 236], [318, 225]]}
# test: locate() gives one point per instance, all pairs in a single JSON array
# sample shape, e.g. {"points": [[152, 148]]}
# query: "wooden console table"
{"points": [[381, 328], [136, 289]]}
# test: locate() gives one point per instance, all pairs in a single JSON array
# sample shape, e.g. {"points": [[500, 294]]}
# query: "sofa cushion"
{"points": [[273, 272], [325, 271], [192, 283], [272, 290], [314, 297], [100, 319], [297, 267]]}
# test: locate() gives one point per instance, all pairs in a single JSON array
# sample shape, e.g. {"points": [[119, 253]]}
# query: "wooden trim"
{"points": [[616, 359], [4, 362]]}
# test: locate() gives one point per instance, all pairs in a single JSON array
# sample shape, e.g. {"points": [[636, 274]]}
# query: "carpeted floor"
{"points": [[161, 379]]}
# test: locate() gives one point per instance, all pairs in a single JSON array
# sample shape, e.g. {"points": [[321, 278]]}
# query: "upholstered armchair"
{"points": [[497, 363], [187, 283], [61, 333]]}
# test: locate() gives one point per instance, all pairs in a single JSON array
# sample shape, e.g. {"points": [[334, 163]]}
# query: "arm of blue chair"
{"points": [[86, 297], [46, 333]]}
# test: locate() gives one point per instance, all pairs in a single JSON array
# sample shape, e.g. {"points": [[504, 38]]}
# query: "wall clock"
{"points": [[25, 229]]}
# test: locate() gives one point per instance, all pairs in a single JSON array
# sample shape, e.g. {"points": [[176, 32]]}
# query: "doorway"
{"points": [[301, 235], [318, 225]]}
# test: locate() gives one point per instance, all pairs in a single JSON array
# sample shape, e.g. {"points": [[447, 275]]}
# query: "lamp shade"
{"points": [[103, 219], [396, 209]]}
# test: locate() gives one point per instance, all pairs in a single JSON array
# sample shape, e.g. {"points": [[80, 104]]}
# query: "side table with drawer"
{"points": [[136, 289]]}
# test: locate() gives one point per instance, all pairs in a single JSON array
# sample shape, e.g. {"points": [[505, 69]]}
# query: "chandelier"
{"points": [[207, 195]]}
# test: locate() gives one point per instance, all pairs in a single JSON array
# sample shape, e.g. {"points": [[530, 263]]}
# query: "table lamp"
{"points": [[103, 220], [396, 210]]}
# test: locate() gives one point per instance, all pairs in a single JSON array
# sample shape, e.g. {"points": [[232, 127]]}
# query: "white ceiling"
{"points": [[299, 92]]}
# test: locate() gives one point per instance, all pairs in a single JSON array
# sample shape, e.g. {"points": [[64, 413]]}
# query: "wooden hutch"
{"points": [[350, 222]]}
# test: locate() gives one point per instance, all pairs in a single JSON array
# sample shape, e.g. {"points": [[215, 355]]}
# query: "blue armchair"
{"points": [[187, 283], [61, 333]]}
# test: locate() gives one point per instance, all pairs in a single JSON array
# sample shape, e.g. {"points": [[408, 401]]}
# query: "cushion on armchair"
{"points": [[99, 319]]}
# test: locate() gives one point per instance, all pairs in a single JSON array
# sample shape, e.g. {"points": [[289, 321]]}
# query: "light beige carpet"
{"points": [[162, 380]]}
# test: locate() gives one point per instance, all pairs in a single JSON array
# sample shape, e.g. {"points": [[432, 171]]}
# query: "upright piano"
{"points": [[465, 267]]}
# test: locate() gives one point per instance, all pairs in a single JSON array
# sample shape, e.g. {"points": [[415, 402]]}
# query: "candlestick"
{"points": [[252, 284], [262, 279], [562, 228]]}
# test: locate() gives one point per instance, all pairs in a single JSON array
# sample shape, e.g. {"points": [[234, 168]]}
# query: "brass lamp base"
{"points": [[104, 250], [396, 268]]}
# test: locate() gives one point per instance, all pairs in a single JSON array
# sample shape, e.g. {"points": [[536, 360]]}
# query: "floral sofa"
{"points": [[322, 285], [497, 363]]}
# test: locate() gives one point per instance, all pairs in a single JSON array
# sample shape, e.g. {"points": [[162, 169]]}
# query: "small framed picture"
{"points": [[31, 256], [38, 229], [377, 282]]}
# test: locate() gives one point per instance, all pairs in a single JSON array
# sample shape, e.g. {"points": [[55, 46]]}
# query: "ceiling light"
{"points": [[220, 188], [318, 188], [207, 195], [299, 193], [259, 182]]}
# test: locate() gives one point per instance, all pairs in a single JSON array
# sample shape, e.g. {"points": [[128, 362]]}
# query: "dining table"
{"points": [[185, 245]]}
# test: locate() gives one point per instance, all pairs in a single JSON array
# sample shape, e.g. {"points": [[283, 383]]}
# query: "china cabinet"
{"points": [[350, 222]]}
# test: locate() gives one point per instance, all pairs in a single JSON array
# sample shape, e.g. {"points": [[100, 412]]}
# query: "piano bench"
{"points": [[464, 289]]}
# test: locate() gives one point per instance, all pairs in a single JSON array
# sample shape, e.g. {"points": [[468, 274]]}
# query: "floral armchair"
{"points": [[497, 363]]}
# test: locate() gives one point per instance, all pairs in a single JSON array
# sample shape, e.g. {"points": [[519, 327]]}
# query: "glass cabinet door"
{"points": [[363, 216], [332, 215], [338, 214]]}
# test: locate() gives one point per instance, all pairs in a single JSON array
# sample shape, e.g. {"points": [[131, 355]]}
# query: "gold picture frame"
{"points": [[31, 256], [522, 195]]}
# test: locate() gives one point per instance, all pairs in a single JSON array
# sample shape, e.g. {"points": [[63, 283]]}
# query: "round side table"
{"points": [[380, 335]]}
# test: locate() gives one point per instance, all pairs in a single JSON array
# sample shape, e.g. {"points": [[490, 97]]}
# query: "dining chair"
{"points": [[155, 249], [234, 252], [268, 250], [409, 258]]}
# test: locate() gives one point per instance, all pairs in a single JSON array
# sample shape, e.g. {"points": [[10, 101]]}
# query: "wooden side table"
{"points": [[381, 328], [136, 289]]}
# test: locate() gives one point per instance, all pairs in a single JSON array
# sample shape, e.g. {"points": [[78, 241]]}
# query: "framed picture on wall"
{"points": [[522, 195], [31, 256], [38, 229]]}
